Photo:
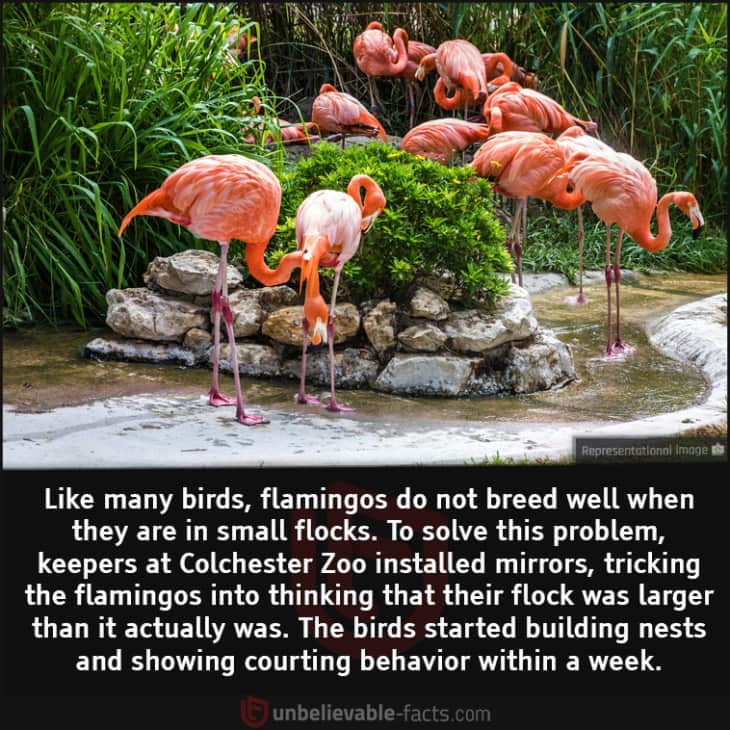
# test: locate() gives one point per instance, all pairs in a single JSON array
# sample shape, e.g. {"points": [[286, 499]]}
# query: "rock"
{"points": [[189, 272], [275, 297], [424, 337], [475, 330], [104, 348], [285, 325], [429, 305], [248, 315], [444, 284], [379, 326], [446, 375], [355, 367], [198, 341], [256, 360], [541, 363], [142, 313]]}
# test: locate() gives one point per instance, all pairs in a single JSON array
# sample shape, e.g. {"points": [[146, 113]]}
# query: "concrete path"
{"points": [[154, 431]]}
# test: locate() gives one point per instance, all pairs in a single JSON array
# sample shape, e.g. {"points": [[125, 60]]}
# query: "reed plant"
{"points": [[101, 102]]}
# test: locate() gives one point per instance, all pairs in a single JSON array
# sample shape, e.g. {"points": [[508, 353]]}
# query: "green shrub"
{"points": [[436, 219], [101, 102]]}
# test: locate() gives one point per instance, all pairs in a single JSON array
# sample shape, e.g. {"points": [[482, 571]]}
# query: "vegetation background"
{"points": [[102, 100]]}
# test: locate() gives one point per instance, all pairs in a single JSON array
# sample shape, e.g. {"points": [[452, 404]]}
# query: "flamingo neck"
{"points": [[400, 41], [265, 275], [643, 235], [568, 200]]}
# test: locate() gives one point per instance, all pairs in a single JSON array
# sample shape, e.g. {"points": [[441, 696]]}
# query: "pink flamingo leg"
{"points": [[521, 211], [241, 416], [608, 274], [580, 298], [411, 104], [215, 397], [333, 404], [301, 396], [619, 347]]}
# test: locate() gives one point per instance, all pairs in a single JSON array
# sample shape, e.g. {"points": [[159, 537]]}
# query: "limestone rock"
{"points": [[355, 367], [255, 360], [285, 325], [540, 363], [189, 272], [379, 326], [425, 337], [475, 330], [148, 315], [429, 305], [248, 315], [275, 297], [128, 350], [198, 341], [446, 375]]}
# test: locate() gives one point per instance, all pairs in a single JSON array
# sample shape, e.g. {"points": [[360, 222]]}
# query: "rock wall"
{"points": [[424, 346]]}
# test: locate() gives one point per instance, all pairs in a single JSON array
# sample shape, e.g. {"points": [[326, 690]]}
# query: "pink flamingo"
{"points": [[219, 198], [329, 225]]}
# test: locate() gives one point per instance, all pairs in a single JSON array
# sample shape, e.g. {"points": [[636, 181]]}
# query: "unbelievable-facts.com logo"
{"points": [[254, 711]]}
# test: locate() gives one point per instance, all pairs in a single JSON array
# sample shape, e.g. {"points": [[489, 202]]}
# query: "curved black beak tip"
{"points": [[696, 232]]}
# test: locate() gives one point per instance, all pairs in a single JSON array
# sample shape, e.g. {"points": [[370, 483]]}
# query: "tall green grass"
{"points": [[101, 102]]}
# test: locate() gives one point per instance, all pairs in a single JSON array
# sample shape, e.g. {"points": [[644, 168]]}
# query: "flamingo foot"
{"points": [[619, 351], [308, 400], [215, 398], [336, 407], [577, 299], [248, 420]]}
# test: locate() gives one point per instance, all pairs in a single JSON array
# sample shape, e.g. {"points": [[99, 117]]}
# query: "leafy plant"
{"points": [[101, 102], [436, 219]]}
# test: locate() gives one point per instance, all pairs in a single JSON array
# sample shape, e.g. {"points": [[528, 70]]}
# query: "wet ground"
{"points": [[43, 369]]}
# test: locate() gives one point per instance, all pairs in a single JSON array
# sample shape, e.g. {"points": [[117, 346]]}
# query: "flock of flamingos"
{"points": [[225, 197]]}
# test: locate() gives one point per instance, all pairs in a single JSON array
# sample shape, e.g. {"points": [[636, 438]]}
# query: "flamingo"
{"points": [[377, 54], [221, 197], [514, 108], [575, 139], [338, 112], [460, 66], [329, 225], [501, 69], [441, 139], [622, 191], [524, 164]]}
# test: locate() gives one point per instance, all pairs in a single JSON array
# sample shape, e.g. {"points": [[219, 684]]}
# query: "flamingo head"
{"points": [[687, 203], [317, 315]]}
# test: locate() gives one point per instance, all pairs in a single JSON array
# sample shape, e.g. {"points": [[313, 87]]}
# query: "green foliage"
{"points": [[101, 102], [436, 219], [552, 245]]}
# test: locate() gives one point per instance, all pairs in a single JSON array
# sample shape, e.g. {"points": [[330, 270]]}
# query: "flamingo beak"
{"points": [[368, 220], [698, 222], [306, 269], [319, 333]]}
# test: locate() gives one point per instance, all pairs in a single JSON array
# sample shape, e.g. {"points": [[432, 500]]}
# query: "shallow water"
{"points": [[43, 368]]}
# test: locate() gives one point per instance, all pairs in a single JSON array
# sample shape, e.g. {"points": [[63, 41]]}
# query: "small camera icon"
{"points": [[718, 449]]}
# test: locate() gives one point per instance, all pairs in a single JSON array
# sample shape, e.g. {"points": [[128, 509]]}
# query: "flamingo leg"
{"points": [[373, 105], [581, 297], [411, 104], [619, 347], [301, 396], [608, 275], [227, 313], [215, 397], [333, 404], [511, 237], [521, 211]]}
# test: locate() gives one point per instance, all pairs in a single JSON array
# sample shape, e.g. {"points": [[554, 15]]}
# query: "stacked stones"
{"points": [[423, 348]]}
